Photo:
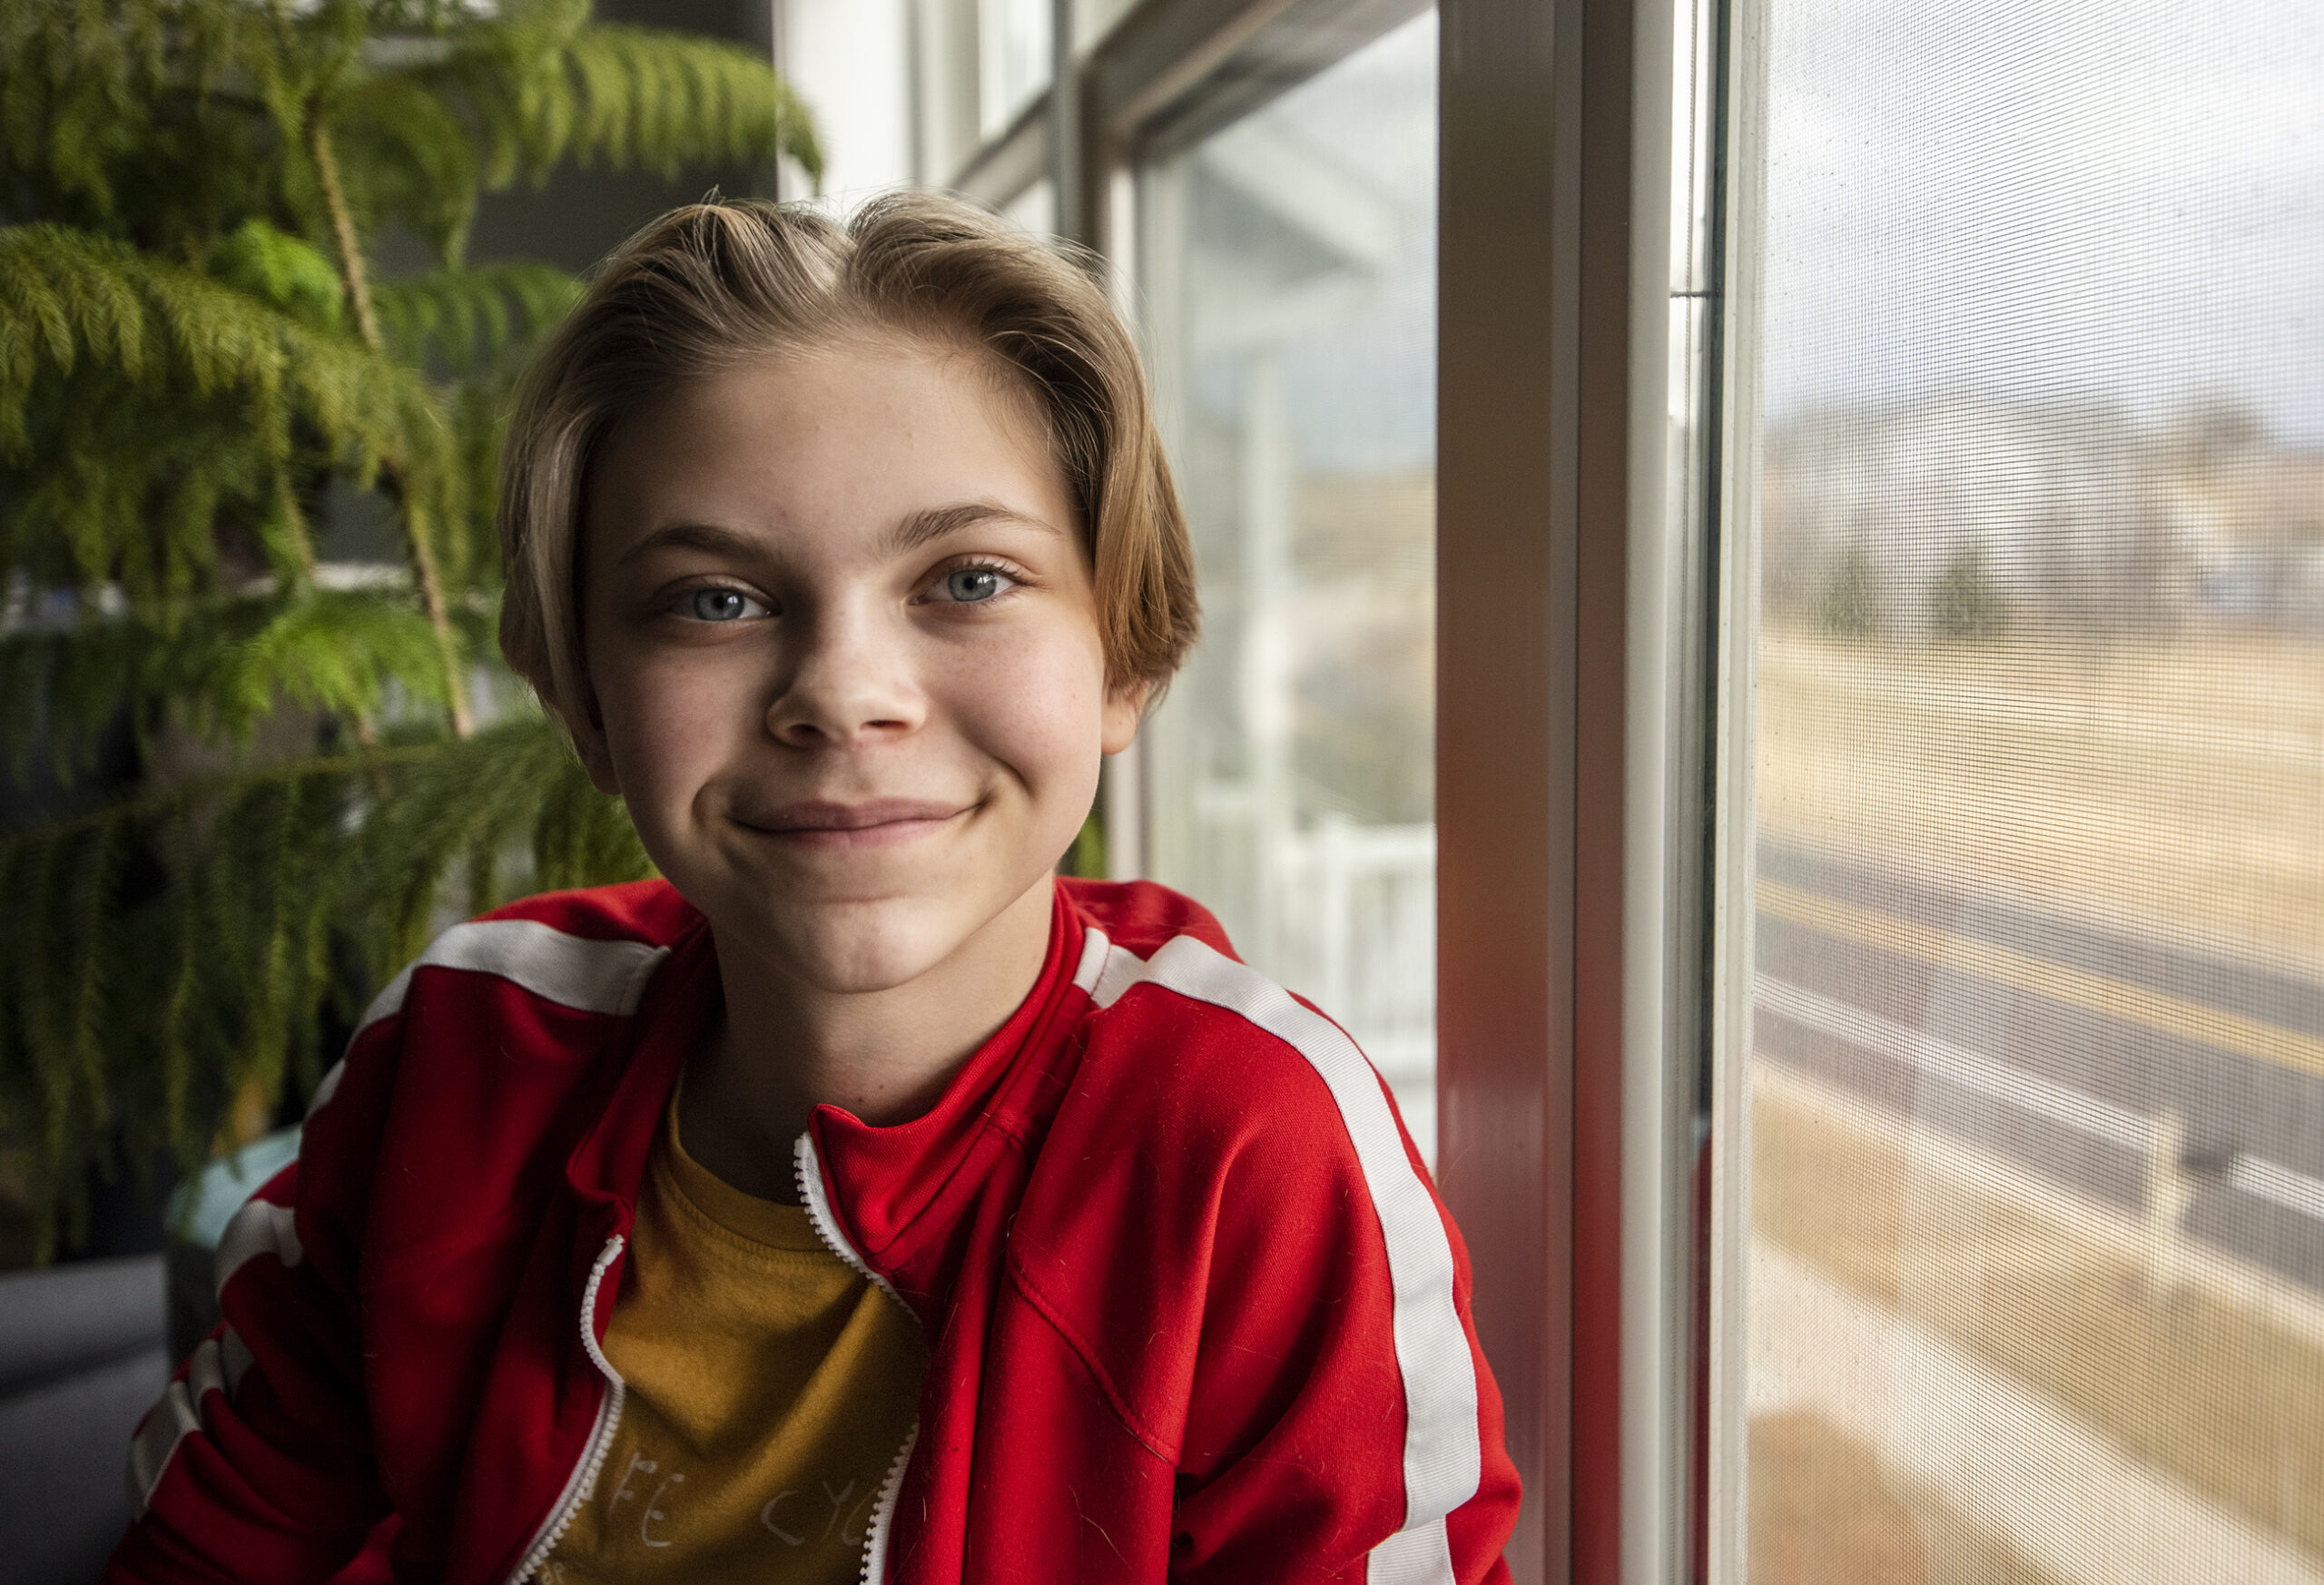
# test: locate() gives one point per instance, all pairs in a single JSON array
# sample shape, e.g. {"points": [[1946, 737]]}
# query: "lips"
{"points": [[873, 822]]}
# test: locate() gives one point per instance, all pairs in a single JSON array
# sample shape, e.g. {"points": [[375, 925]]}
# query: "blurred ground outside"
{"points": [[2050, 768], [2036, 1284], [1934, 1332]]}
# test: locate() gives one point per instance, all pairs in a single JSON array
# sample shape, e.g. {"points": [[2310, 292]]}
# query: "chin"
{"points": [[864, 973], [862, 956]]}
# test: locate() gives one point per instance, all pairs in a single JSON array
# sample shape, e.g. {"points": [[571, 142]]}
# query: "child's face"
{"points": [[843, 639]]}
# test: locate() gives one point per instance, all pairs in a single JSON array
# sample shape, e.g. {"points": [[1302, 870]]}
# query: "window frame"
{"points": [[1723, 1217], [1571, 1021]]}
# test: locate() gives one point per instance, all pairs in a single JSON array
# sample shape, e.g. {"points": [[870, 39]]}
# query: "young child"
{"points": [[859, 1201]]}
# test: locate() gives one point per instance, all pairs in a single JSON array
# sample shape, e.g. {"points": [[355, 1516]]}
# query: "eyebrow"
{"points": [[702, 537], [933, 522], [917, 529]]}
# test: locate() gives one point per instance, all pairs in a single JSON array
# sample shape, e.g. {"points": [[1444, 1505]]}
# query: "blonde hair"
{"points": [[714, 285]]}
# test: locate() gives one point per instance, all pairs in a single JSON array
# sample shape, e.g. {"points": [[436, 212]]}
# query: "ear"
{"points": [[1125, 708]]}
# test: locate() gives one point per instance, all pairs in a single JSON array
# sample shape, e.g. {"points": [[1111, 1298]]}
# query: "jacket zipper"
{"points": [[826, 1226], [583, 1479]]}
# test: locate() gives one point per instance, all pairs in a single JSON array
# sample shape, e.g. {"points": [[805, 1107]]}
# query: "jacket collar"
{"points": [[882, 1181]]}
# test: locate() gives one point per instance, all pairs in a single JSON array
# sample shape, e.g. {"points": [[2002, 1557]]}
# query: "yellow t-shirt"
{"points": [[770, 1386]]}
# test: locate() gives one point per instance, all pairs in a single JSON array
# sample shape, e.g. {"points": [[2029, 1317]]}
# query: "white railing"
{"points": [[1356, 928]]}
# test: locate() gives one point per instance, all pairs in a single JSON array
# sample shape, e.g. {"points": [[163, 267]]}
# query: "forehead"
{"points": [[855, 434]]}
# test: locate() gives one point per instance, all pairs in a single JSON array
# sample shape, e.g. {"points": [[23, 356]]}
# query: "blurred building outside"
{"points": [[1962, 516]]}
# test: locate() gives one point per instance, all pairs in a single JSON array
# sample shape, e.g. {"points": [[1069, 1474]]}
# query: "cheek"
{"points": [[1038, 703], [664, 720]]}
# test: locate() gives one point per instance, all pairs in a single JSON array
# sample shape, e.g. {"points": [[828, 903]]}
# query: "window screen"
{"points": [[2032, 1284], [1288, 262]]}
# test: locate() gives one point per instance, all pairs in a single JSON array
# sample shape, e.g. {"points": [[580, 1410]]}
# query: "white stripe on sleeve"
{"points": [[167, 1423], [607, 977], [1416, 1555], [260, 1227], [591, 976], [1444, 1457], [218, 1365]]}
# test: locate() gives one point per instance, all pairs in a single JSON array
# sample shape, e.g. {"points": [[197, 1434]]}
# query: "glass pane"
{"points": [[1014, 59], [2036, 1087], [1290, 268]]}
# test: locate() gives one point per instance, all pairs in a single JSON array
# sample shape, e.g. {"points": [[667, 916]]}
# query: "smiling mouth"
{"points": [[876, 822]]}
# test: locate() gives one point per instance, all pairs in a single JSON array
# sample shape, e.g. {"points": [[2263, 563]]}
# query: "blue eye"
{"points": [[969, 585], [721, 606]]}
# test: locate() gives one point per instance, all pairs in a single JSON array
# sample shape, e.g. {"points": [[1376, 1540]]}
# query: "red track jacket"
{"points": [[1195, 1311]]}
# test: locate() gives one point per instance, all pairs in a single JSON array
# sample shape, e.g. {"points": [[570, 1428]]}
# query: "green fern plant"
{"points": [[196, 340]]}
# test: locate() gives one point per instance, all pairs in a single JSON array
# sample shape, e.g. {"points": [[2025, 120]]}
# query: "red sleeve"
{"points": [[1279, 1300], [256, 1464], [1342, 1411]]}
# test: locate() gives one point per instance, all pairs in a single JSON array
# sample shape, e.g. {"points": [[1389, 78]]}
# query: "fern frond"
{"points": [[69, 300], [57, 1034], [282, 271], [127, 489], [664, 101], [215, 668], [541, 89], [477, 320], [140, 113], [261, 910], [168, 348], [408, 157]]}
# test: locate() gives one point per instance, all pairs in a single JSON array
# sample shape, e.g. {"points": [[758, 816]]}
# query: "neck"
{"points": [[784, 1047]]}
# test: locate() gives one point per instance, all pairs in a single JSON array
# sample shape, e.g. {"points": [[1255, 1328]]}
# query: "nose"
{"points": [[850, 680]]}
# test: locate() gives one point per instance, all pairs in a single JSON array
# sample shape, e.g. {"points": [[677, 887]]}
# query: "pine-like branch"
{"points": [[417, 526], [195, 343], [419, 540], [71, 301], [112, 110], [543, 89], [342, 229], [479, 321], [216, 670], [255, 912]]}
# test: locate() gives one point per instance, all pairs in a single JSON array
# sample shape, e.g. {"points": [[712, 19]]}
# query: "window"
{"points": [[1289, 266], [1015, 48], [2025, 1128]]}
